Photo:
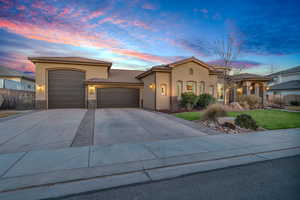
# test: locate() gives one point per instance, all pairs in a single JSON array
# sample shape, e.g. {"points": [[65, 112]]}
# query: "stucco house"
{"points": [[16, 80], [285, 84], [75, 82]]}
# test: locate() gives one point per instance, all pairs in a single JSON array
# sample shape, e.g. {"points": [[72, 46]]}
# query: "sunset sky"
{"points": [[137, 34]]}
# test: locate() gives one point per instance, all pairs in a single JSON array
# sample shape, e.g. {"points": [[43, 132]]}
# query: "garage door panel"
{"points": [[117, 97], [66, 89]]}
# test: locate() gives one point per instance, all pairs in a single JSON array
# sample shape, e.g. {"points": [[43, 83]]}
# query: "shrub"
{"points": [[205, 100], [188, 100], [295, 103], [213, 112], [246, 121], [250, 101]]}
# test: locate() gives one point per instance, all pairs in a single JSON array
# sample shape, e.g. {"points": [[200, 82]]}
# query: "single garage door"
{"points": [[66, 89], [117, 97]]}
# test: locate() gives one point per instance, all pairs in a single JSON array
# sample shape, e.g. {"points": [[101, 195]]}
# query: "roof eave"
{"points": [[146, 73], [36, 60], [112, 83]]}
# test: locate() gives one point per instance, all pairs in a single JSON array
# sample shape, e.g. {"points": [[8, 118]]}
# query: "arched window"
{"points": [[179, 89], [191, 71], [163, 89]]}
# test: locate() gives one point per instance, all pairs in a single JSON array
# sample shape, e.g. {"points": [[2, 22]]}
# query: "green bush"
{"points": [[213, 112], [250, 101], [246, 121], [295, 103], [188, 100], [205, 100]]}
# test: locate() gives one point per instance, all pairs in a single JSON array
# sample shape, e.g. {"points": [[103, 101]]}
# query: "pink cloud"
{"points": [[18, 62], [149, 6], [49, 9], [140, 55], [117, 21], [95, 14], [58, 33], [21, 7], [65, 12]]}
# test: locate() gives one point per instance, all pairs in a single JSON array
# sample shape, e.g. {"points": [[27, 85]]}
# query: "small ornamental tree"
{"points": [[188, 100], [205, 100]]}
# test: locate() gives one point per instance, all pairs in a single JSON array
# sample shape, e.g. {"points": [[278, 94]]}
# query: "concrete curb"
{"points": [[41, 186]]}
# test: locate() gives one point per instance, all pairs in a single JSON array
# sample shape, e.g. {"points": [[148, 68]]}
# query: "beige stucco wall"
{"points": [[149, 93], [181, 73], [42, 75], [162, 102]]}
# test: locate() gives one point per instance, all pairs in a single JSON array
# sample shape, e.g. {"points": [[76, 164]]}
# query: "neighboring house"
{"points": [[248, 84], [16, 80], [74, 82], [285, 85], [284, 76]]}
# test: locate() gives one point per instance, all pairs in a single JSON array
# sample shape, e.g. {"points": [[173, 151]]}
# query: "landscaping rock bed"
{"points": [[226, 125]]}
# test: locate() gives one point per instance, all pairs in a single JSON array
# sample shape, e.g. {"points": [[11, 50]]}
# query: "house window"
{"points": [[191, 86], [201, 87], [211, 90], [220, 91], [191, 71], [163, 90], [179, 89]]}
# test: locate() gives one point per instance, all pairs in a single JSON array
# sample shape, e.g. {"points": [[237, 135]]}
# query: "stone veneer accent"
{"points": [[40, 104], [92, 104]]}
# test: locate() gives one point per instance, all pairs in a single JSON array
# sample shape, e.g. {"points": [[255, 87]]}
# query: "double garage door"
{"points": [[117, 97], [66, 89]]}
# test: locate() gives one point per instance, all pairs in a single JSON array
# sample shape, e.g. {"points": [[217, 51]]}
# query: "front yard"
{"points": [[268, 119]]}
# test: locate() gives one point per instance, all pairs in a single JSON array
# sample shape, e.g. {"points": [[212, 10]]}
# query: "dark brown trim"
{"points": [[113, 83], [64, 68]]}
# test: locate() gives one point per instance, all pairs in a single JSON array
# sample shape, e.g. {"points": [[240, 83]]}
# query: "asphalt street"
{"points": [[276, 179]]}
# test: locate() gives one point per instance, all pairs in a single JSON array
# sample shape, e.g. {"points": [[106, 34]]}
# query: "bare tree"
{"points": [[227, 49]]}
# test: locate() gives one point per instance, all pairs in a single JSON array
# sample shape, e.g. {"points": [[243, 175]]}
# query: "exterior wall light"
{"points": [[39, 88], [152, 86], [92, 90]]}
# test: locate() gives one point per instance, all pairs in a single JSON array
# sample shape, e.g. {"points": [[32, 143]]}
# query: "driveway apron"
{"points": [[114, 126], [49, 129]]}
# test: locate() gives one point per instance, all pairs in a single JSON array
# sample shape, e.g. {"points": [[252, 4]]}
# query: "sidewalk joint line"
{"points": [[19, 159]]}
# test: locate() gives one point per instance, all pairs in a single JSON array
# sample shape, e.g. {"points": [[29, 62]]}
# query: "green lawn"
{"points": [[268, 119]]}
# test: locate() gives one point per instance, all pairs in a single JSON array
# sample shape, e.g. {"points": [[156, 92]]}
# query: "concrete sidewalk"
{"points": [[48, 174]]}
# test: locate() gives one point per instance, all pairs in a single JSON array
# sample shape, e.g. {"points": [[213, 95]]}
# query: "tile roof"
{"points": [[69, 59], [248, 76], [287, 71], [289, 85], [119, 76], [8, 72]]}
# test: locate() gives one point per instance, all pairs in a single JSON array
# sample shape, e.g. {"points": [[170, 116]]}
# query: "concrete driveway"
{"points": [[61, 128], [114, 126], [48, 129]]}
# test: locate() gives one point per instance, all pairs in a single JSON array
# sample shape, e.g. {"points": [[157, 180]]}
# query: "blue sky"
{"points": [[138, 34]]}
